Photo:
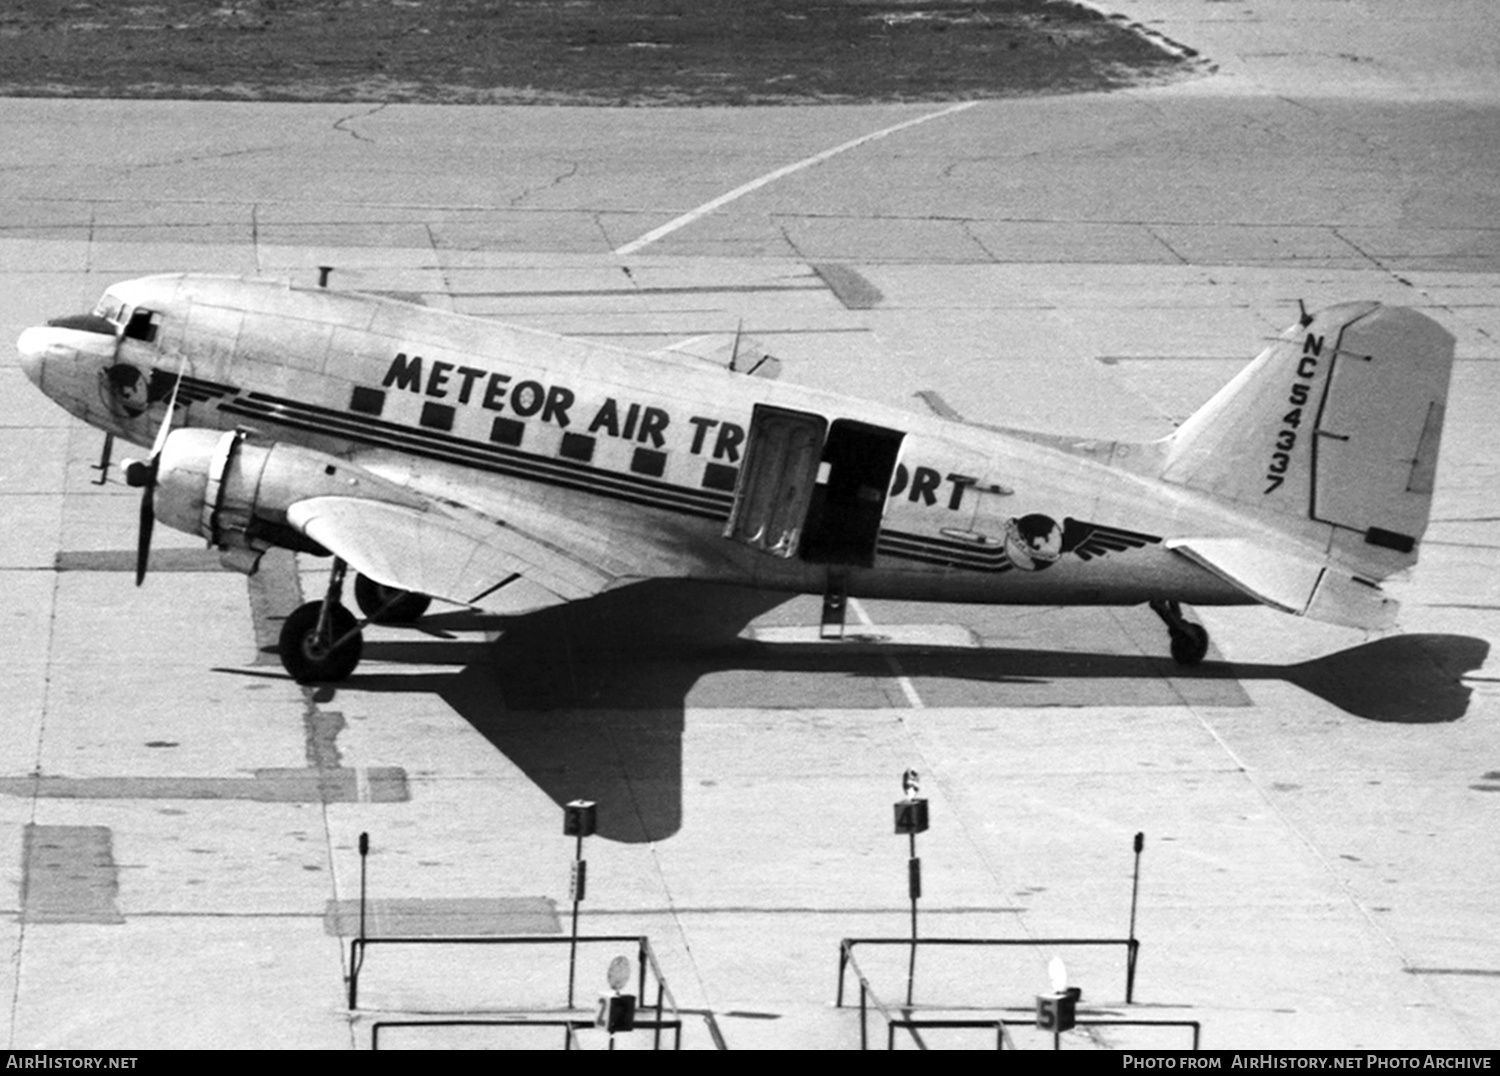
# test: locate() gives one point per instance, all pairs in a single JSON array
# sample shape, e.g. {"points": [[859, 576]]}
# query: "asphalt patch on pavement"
{"points": [[68, 875], [584, 52], [413, 917]]}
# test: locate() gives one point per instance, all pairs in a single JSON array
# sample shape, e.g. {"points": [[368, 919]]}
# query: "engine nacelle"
{"points": [[235, 491]]}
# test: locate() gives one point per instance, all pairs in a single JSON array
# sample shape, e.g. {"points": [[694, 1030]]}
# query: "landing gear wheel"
{"points": [[311, 657], [387, 605], [1189, 640], [1189, 643]]}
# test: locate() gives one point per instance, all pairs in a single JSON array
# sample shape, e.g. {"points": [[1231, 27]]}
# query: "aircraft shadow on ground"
{"points": [[588, 699]]}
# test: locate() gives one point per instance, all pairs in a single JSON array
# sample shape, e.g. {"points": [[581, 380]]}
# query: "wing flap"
{"points": [[490, 566], [1292, 581]]}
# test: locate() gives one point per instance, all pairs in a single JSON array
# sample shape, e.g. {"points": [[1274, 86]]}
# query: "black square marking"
{"points": [[367, 401], [436, 416], [507, 431], [648, 461], [577, 446], [720, 476]]}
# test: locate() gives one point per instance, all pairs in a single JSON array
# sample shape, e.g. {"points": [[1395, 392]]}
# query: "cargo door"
{"points": [[782, 454], [848, 503]]}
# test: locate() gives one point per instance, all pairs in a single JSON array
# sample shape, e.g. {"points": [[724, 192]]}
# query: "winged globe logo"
{"points": [[1035, 542]]}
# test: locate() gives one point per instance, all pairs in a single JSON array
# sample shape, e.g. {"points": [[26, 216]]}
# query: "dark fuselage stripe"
{"points": [[496, 459], [582, 479], [568, 469]]}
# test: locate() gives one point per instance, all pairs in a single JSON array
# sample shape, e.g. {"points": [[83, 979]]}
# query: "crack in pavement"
{"points": [[967, 226], [572, 170], [338, 124], [197, 158]]}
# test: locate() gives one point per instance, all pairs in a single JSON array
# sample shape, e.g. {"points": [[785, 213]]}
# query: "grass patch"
{"points": [[588, 52]]}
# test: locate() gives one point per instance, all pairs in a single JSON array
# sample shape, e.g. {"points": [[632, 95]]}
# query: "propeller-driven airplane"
{"points": [[451, 457]]}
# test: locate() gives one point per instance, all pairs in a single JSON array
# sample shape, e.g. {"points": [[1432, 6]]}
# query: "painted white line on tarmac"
{"points": [[770, 177], [902, 680]]}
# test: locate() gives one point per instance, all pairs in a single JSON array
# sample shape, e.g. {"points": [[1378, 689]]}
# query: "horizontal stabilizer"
{"points": [[939, 406], [1292, 580], [426, 552]]}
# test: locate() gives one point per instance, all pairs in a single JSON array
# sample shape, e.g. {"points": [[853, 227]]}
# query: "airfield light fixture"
{"points": [[1133, 947], [616, 1010], [357, 962], [1057, 1012]]}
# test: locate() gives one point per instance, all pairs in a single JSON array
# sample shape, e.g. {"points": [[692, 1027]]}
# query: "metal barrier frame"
{"points": [[907, 1022], [1112, 1022], [1002, 1034], [646, 958], [1132, 952], [570, 1027], [1194, 1024], [1003, 1040]]}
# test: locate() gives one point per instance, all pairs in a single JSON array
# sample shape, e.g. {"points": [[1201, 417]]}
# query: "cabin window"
{"points": [[720, 476], [367, 401], [648, 461], [143, 325], [507, 431], [577, 446], [436, 416]]}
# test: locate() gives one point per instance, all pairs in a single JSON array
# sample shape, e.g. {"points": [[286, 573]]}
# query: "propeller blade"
{"points": [[148, 523], [166, 419], [147, 477]]}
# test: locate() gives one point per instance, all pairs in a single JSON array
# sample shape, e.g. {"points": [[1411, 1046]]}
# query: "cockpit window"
{"points": [[143, 325], [89, 323], [109, 308]]}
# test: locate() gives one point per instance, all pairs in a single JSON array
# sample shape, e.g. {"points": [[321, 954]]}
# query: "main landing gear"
{"points": [[1189, 640], [322, 641]]}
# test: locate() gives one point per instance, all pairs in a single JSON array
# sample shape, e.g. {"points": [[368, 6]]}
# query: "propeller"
{"points": [[142, 474]]}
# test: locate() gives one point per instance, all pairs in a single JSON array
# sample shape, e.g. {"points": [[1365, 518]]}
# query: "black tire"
{"points": [[1189, 643], [307, 658], [371, 597]]}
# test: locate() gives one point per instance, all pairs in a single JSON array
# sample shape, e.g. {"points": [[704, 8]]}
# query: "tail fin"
{"points": [[1338, 423]]}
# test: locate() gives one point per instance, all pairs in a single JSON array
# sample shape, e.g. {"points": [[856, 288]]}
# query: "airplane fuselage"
{"points": [[650, 452]]}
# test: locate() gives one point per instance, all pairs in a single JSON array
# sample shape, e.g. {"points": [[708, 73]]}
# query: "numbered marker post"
{"points": [[911, 819], [580, 818]]}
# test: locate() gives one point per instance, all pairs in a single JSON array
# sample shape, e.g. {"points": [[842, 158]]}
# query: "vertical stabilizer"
{"points": [[1339, 423]]}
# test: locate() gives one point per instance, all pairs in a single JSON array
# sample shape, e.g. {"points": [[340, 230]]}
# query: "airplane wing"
{"points": [[1292, 580], [471, 562]]}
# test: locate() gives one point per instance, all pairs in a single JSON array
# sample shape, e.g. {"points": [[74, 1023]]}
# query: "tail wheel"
{"points": [[313, 657], [1189, 643], [387, 605]]}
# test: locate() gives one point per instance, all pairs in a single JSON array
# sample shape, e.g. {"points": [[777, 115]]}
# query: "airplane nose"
{"points": [[33, 345]]}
